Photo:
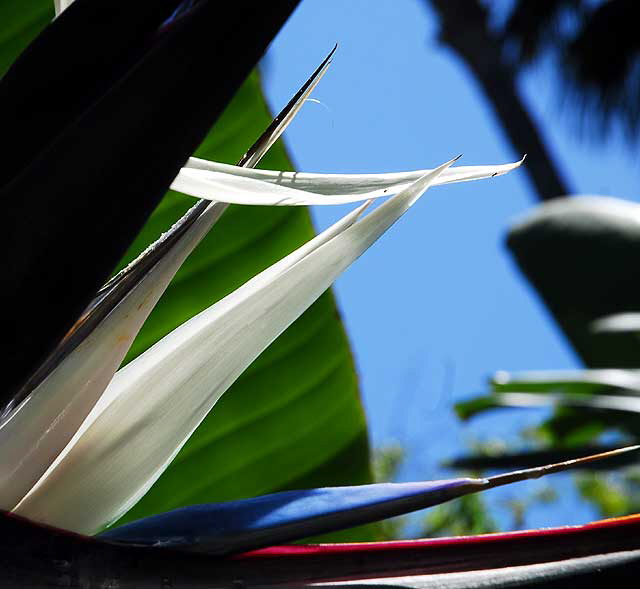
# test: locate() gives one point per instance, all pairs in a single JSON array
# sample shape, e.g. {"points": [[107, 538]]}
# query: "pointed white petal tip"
{"points": [[506, 168]]}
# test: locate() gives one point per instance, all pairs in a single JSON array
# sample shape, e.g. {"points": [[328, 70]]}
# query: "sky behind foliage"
{"points": [[437, 305]]}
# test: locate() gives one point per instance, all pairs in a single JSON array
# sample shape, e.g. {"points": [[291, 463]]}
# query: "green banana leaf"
{"points": [[580, 255], [294, 419]]}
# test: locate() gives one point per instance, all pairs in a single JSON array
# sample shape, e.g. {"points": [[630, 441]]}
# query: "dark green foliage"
{"points": [[581, 256], [98, 124], [596, 48]]}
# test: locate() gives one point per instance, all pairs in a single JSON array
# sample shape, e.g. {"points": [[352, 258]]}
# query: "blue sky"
{"points": [[437, 305]]}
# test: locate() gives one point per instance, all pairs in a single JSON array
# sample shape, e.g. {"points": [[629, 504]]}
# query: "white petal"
{"points": [[155, 403], [40, 428], [61, 5], [239, 185]]}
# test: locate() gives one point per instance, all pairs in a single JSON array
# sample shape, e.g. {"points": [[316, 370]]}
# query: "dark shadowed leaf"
{"points": [[619, 568], [80, 195], [38, 557]]}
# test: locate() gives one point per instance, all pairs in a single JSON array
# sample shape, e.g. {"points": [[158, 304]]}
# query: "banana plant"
{"points": [[82, 440], [577, 253]]}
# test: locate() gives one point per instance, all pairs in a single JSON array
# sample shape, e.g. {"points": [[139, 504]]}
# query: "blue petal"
{"points": [[248, 524]]}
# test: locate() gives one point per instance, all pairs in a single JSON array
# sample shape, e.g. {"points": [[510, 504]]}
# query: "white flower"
{"points": [[89, 440], [84, 448]]}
